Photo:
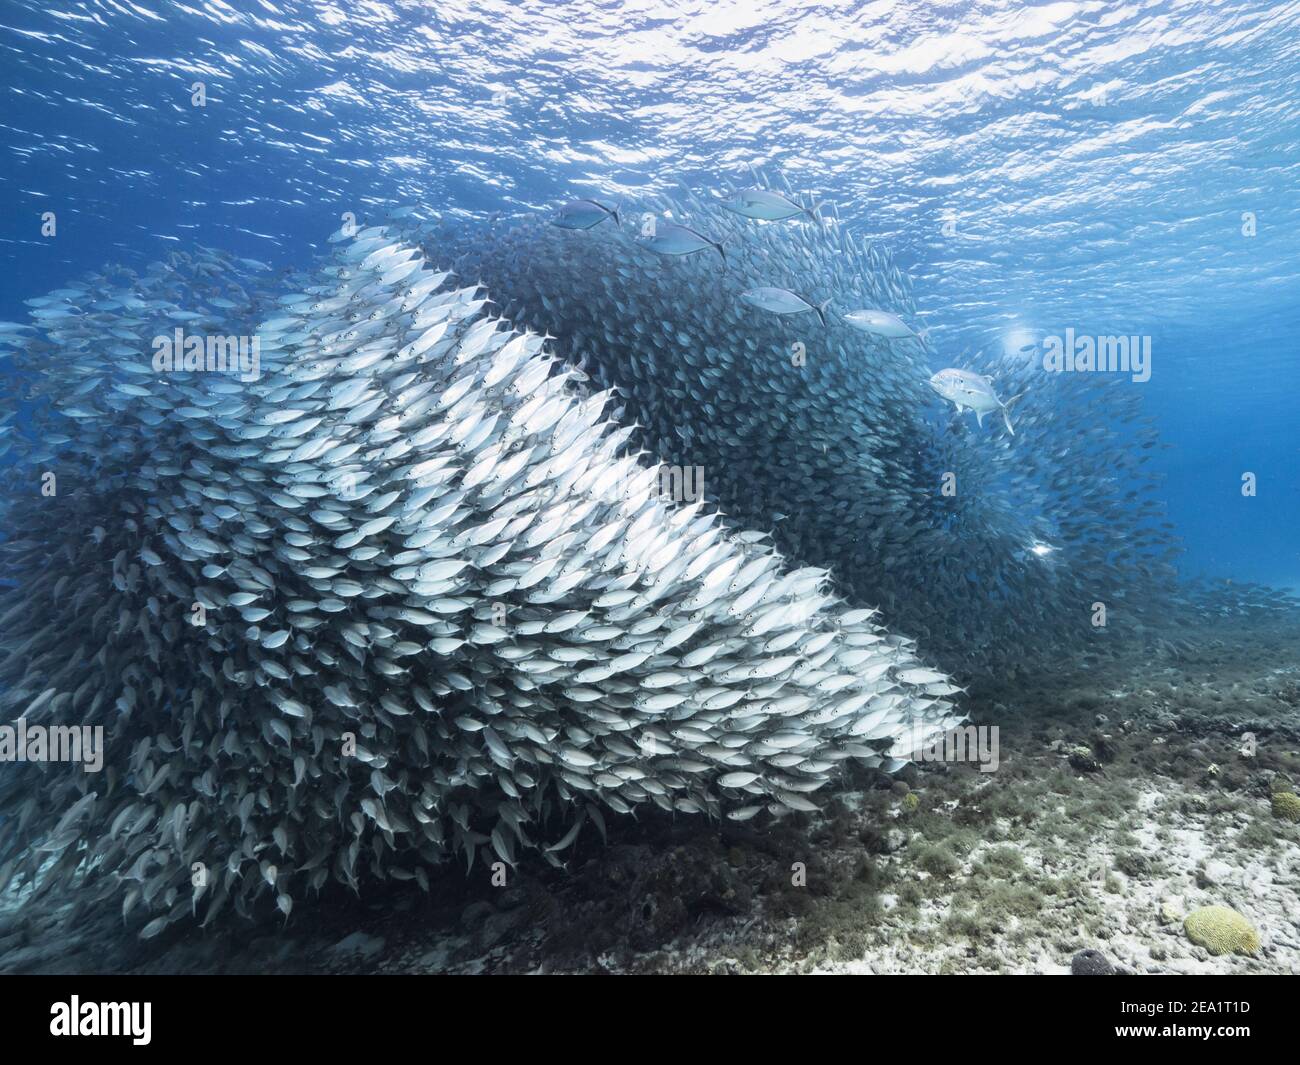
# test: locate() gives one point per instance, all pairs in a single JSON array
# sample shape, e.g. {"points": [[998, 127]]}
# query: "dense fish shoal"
{"points": [[397, 595]]}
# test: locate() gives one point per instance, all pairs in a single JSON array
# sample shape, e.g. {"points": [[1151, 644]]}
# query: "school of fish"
{"points": [[407, 597], [773, 351]]}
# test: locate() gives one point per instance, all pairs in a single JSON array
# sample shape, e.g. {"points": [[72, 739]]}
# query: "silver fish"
{"points": [[879, 323], [452, 601], [669, 238], [768, 205], [971, 391], [583, 214], [783, 301]]}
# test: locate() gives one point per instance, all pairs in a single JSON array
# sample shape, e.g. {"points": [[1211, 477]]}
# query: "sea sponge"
{"points": [[1286, 805], [1221, 930]]}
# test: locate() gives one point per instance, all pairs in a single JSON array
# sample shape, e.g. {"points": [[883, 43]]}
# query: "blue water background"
{"points": [[1097, 164]]}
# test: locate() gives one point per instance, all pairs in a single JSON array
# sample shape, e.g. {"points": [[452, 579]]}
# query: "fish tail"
{"points": [[721, 251], [613, 212], [1006, 415], [821, 310]]}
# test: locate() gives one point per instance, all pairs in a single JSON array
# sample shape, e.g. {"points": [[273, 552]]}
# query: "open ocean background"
{"points": [[1034, 166]]}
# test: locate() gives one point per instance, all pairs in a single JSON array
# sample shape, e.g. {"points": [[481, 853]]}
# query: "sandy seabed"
{"points": [[1126, 796]]}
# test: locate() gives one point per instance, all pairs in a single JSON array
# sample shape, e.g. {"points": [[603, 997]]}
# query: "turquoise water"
{"points": [[1112, 168]]}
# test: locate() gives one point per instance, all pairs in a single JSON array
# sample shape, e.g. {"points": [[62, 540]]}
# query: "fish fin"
{"points": [[1006, 417], [979, 418]]}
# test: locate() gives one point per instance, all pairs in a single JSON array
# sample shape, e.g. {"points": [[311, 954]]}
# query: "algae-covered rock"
{"points": [[1221, 930], [1286, 805], [1082, 759]]}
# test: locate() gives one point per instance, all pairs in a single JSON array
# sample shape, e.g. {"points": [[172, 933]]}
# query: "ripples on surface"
{"points": [[1094, 161]]}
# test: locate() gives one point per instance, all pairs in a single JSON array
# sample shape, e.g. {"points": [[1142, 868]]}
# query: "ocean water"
{"points": [[1032, 171], [1033, 167]]}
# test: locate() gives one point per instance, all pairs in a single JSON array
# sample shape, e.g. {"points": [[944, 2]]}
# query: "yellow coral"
{"points": [[911, 802], [1286, 805], [1221, 930]]}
